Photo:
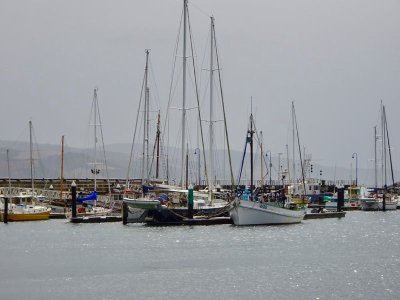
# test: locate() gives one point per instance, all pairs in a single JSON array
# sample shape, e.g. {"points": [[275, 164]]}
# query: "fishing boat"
{"points": [[248, 209]]}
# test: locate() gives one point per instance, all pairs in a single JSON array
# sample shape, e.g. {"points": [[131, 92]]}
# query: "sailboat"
{"points": [[144, 202], [248, 209], [379, 198], [23, 206], [204, 204], [92, 197]]}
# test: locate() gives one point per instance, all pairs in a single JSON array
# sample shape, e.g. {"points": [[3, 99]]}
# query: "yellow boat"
{"points": [[42, 214], [26, 212]]}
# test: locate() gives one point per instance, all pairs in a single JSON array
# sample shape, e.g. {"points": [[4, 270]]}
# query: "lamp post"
{"points": [[356, 157]]}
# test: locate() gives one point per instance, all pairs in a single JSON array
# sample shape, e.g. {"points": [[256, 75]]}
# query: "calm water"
{"points": [[357, 257]]}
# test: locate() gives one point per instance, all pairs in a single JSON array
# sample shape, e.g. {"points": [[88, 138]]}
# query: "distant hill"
{"points": [[77, 164]]}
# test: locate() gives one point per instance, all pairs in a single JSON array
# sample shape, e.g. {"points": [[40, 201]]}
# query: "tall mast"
{"points": [[251, 153], [31, 156], [95, 138], [288, 164], [8, 172], [211, 137], [375, 160], [293, 146], [262, 157], [62, 168], [158, 145], [183, 153], [145, 123]]}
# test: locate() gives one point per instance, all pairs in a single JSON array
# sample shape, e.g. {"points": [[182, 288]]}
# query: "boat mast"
{"points": [[183, 153], [375, 160], [145, 153], [95, 138], [211, 136], [301, 159], [287, 161], [158, 145], [62, 168], [8, 172], [251, 132], [293, 148], [31, 157], [261, 157]]}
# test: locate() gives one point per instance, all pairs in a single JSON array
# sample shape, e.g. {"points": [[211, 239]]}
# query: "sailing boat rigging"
{"points": [[96, 166], [160, 212], [381, 198]]}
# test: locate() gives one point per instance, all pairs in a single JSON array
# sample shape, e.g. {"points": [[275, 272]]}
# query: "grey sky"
{"points": [[335, 59]]}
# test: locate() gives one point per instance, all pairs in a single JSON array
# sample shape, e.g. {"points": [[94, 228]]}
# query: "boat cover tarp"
{"points": [[92, 196]]}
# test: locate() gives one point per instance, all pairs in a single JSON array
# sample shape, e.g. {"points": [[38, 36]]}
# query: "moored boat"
{"points": [[246, 212], [25, 212]]}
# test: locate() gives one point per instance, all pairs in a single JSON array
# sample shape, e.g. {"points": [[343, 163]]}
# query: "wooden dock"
{"points": [[195, 221], [324, 215], [96, 219], [54, 215]]}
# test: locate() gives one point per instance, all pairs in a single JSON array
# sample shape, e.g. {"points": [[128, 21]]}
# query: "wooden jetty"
{"points": [[96, 219], [55, 215], [194, 221]]}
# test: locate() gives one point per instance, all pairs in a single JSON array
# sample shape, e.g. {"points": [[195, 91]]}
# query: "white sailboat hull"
{"points": [[245, 212]]}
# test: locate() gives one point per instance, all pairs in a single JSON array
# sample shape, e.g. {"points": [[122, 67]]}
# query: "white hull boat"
{"points": [[377, 203], [369, 203], [244, 212], [390, 204], [142, 203]]}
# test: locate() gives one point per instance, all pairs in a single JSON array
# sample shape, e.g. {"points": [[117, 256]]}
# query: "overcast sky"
{"points": [[335, 59]]}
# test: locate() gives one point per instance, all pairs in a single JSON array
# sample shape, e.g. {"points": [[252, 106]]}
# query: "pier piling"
{"points": [[384, 198], [124, 213], [340, 199], [190, 202], [5, 220], [73, 194]]}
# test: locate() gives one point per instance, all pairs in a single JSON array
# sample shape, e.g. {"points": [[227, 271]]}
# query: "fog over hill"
{"points": [[78, 164]]}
